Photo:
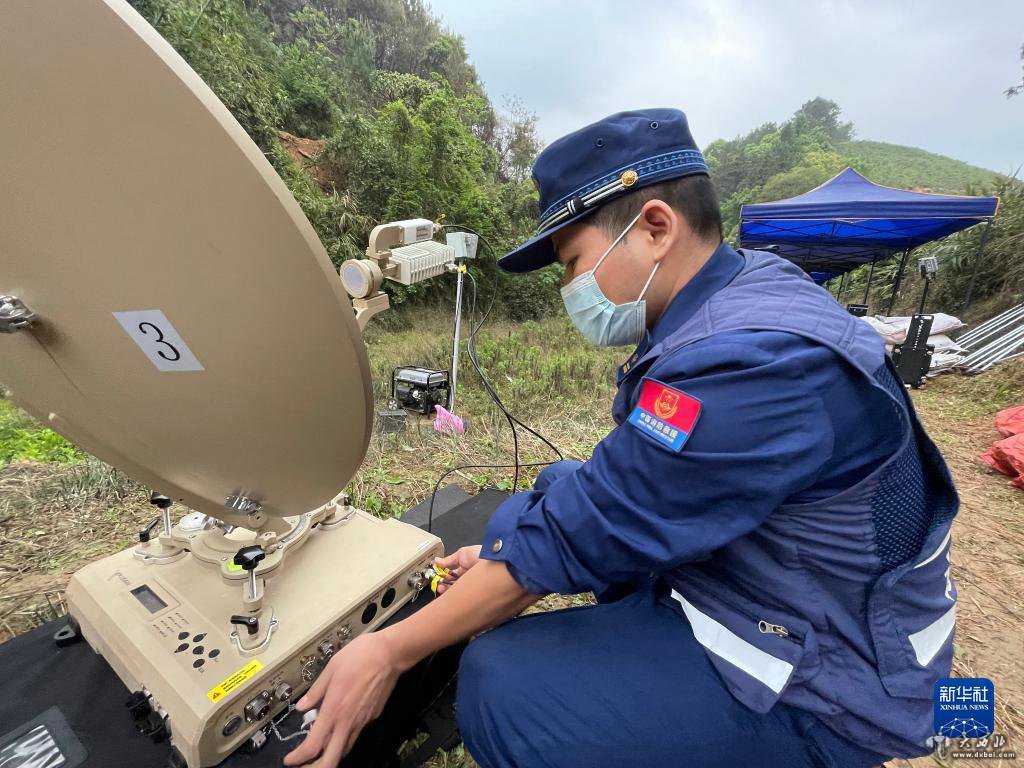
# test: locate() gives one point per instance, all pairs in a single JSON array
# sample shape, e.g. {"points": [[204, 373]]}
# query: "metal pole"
{"points": [[461, 271], [871, 274], [899, 279], [977, 264], [842, 284], [924, 295]]}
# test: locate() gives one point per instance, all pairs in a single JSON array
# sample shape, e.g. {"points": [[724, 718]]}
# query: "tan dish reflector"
{"points": [[189, 327]]}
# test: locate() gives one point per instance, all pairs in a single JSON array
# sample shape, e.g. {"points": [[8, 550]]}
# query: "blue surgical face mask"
{"points": [[599, 319]]}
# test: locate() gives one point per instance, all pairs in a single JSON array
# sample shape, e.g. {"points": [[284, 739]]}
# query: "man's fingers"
{"points": [[315, 693], [336, 749], [449, 580], [449, 561], [311, 746]]}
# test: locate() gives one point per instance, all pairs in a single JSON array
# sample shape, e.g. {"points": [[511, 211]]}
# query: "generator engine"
{"points": [[420, 389]]}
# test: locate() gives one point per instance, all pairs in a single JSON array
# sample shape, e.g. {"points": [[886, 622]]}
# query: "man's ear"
{"points": [[660, 227]]}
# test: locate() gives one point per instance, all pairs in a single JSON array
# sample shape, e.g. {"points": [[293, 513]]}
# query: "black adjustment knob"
{"points": [[251, 623], [138, 705], [159, 500], [154, 726], [147, 533], [249, 557]]}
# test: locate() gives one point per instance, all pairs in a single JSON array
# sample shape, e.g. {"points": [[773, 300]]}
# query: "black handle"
{"points": [[159, 500], [251, 623], [146, 533], [249, 557]]}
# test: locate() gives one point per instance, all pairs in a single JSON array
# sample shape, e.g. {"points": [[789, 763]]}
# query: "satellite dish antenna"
{"points": [[165, 304], [169, 308]]}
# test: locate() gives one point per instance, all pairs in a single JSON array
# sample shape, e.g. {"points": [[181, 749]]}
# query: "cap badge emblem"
{"points": [[628, 178]]}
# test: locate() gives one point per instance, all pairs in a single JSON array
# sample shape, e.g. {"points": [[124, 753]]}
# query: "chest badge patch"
{"points": [[665, 414]]}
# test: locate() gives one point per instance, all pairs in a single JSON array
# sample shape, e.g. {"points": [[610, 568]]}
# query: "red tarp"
{"points": [[1010, 421], [1007, 455]]}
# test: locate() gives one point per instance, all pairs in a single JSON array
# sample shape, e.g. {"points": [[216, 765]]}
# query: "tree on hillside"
{"points": [[824, 114], [516, 139], [1016, 90]]}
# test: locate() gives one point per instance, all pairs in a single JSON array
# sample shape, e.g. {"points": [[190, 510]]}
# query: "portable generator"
{"points": [[420, 389]]}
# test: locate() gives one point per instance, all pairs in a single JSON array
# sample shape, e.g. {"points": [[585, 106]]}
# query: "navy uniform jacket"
{"points": [[769, 470], [772, 406]]}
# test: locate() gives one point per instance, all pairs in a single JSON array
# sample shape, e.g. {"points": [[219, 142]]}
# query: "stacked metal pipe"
{"points": [[997, 340]]}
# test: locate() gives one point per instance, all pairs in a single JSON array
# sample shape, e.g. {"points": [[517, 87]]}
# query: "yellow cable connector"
{"points": [[439, 219], [440, 574], [461, 268]]}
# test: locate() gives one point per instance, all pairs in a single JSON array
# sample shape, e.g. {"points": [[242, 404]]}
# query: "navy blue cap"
{"points": [[578, 173]]}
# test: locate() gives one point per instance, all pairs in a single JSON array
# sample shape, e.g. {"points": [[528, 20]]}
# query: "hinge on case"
{"points": [[14, 315]]}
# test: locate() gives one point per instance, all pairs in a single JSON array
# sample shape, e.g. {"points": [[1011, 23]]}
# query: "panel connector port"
{"points": [[258, 708]]}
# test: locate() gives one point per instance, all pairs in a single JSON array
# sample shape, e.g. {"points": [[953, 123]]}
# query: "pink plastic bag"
{"points": [[447, 422]]}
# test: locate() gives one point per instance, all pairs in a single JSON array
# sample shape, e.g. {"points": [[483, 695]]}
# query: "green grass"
{"points": [[981, 397], [545, 372], [23, 439]]}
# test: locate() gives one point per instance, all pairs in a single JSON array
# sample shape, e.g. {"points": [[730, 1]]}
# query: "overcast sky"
{"points": [[927, 73]]}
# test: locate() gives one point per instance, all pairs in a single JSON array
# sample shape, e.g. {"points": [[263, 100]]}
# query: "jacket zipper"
{"points": [[763, 626], [767, 628]]}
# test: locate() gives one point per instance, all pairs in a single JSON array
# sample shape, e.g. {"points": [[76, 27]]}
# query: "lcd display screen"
{"points": [[149, 598]]}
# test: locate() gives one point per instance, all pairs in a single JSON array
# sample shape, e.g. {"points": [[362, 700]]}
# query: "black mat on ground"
{"points": [[36, 675]]}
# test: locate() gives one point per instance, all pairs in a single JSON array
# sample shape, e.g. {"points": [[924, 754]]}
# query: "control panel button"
{"points": [[232, 725], [214, 653], [198, 663], [183, 635], [199, 638], [182, 647], [198, 650]]}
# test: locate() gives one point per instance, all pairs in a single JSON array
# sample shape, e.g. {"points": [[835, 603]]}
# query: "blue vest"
{"points": [[842, 607]]}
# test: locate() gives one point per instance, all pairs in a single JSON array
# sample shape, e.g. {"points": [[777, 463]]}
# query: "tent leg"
{"points": [[899, 279], [842, 284], [871, 274], [977, 264]]}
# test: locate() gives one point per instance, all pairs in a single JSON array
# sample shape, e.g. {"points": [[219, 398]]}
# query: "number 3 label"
{"points": [[153, 332]]}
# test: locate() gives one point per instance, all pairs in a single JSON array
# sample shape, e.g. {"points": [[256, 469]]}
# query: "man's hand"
{"points": [[351, 691], [457, 563], [353, 688]]}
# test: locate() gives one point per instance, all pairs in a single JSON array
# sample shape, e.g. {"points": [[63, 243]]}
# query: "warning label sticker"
{"points": [[230, 683]]}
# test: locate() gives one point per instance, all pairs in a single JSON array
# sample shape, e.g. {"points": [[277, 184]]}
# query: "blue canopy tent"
{"points": [[849, 221]]}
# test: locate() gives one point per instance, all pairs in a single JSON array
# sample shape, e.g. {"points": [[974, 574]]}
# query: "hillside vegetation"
{"points": [[408, 129], [912, 168], [404, 128], [777, 161]]}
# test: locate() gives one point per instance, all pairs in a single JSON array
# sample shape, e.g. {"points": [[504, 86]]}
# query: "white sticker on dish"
{"points": [[154, 334]]}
